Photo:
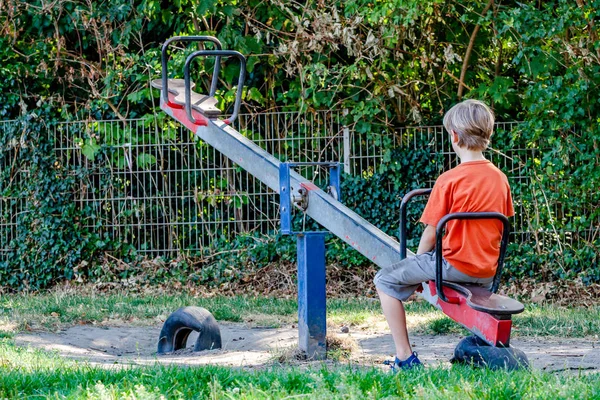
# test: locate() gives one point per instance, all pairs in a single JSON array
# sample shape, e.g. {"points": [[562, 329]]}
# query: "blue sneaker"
{"points": [[410, 363]]}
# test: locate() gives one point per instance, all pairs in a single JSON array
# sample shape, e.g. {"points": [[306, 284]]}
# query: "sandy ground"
{"points": [[248, 347]]}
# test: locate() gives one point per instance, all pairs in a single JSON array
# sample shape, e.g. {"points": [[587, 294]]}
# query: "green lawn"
{"points": [[28, 373]]}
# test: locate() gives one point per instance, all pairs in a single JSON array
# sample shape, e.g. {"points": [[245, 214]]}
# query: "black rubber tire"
{"points": [[179, 325], [474, 351]]}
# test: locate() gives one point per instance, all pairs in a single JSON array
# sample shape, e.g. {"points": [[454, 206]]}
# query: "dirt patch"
{"points": [[248, 347]]}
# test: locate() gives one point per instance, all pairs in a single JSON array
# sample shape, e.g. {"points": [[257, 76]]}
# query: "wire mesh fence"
{"points": [[150, 184], [368, 154], [155, 188], [11, 204], [169, 193]]}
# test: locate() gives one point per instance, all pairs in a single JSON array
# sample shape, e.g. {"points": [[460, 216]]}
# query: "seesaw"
{"points": [[484, 313]]}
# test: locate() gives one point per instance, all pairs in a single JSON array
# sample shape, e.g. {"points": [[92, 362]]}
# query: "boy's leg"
{"points": [[394, 285], [453, 275], [393, 309]]}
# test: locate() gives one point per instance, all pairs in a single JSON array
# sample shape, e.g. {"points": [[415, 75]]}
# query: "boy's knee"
{"points": [[379, 276]]}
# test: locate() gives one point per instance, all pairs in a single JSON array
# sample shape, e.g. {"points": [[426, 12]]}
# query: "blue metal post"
{"points": [[335, 179], [285, 196], [312, 324]]}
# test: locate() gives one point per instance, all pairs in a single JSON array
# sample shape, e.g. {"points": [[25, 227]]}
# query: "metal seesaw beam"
{"points": [[360, 234], [363, 236]]}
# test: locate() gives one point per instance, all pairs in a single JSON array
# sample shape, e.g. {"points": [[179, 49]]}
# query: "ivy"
{"points": [[49, 241], [390, 63]]}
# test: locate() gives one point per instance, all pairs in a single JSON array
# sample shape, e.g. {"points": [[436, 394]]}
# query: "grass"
{"points": [[28, 372], [558, 321], [54, 310], [39, 374]]}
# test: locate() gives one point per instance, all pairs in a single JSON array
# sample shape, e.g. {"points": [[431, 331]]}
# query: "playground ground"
{"points": [[87, 344], [122, 328], [256, 347]]}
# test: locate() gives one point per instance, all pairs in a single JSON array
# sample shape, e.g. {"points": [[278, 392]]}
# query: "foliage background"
{"points": [[391, 63]]}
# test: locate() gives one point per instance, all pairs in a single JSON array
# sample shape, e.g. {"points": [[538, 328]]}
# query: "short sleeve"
{"points": [[437, 206], [510, 211]]}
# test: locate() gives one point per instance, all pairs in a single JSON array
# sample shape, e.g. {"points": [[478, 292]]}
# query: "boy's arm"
{"points": [[427, 242]]}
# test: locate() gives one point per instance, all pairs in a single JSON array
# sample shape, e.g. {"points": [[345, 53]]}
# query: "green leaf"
{"points": [[145, 160], [255, 94], [90, 148]]}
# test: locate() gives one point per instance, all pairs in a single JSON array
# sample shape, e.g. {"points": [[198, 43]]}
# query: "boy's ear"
{"points": [[454, 136]]}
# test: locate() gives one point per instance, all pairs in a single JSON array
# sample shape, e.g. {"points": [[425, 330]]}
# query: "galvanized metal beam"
{"points": [[340, 220]]}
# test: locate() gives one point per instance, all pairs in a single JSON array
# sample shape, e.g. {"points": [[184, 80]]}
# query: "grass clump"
{"points": [[444, 326], [340, 348]]}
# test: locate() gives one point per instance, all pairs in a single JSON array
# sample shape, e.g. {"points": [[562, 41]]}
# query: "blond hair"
{"points": [[473, 122]]}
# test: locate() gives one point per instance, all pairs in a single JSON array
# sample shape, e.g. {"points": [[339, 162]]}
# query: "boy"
{"points": [[470, 248]]}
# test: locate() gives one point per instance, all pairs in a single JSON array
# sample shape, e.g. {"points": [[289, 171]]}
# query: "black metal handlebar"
{"points": [[469, 215], [165, 64], [402, 228], [218, 54], [438, 236]]}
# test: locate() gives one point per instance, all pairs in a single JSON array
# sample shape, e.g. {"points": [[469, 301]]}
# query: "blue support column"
{"points": [[312, 323], [335, 179], [285, 199]]}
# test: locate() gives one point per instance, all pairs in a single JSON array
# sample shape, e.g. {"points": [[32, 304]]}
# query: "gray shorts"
{"points": [[402, 279]]}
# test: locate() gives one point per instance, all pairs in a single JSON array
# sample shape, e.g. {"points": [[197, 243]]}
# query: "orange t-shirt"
{"points": [[471, 246]]}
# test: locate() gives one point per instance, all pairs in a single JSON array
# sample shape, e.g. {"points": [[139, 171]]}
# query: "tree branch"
{"points": [[463, 71]]}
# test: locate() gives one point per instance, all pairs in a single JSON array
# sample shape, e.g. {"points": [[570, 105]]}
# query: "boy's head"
{"points": [[473, 123]]}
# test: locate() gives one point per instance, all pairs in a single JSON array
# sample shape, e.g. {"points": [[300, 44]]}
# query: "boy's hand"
{"points": [[427, 242]]}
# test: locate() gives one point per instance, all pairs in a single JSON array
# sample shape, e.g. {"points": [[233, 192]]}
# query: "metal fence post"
{"points": [[346, 137]]}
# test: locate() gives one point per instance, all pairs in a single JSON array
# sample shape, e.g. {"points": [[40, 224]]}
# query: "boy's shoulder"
{"points": [[481, 169]]}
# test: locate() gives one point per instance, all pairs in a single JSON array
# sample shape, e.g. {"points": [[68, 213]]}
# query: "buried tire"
{"points": [[474, 351], [179, 325]]}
